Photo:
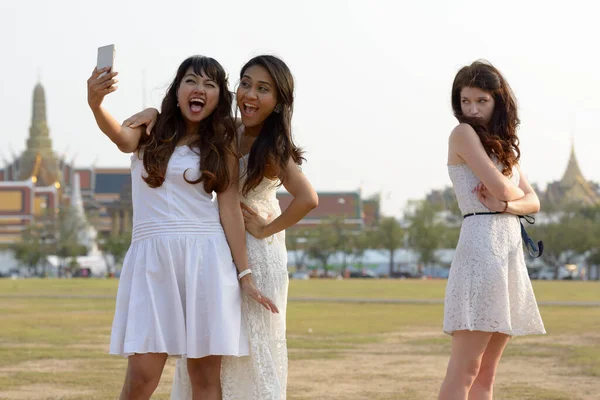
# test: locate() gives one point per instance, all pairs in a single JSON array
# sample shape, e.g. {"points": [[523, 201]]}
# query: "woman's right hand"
{"points": [[146, 117], [251, 290], [99, 86]]}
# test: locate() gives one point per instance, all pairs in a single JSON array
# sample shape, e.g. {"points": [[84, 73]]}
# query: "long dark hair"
{"points": [[499, 137], [214, 138], [274, 145]]}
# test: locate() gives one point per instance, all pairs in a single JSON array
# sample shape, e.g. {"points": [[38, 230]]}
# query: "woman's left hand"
{"points": [[487, 199], [147, 117], [251, 290], [255, 224]]}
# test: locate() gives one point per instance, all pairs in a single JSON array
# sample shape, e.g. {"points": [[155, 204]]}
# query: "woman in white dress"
{"points": [[489, 296], [178, 293], [268, 159]]}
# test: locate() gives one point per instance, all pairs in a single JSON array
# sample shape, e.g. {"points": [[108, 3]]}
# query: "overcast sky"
{"points": [[373, 78]]}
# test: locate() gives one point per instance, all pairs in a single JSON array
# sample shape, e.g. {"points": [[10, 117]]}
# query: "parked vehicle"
{"points": [[363, 273], [301, 275]]}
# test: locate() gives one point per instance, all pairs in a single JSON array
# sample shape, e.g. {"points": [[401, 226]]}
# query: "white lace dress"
{"points": [[262, 375], [488, 287]]}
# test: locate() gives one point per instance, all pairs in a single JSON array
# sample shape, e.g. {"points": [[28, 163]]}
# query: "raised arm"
{"points": [[98, 87]]}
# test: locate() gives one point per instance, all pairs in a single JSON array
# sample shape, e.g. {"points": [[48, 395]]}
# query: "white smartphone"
{"points": [[106, 57]]}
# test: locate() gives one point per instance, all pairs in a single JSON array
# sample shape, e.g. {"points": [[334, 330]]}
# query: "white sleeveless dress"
{"points": [[262, 375], [488, 287], [178, 292]]}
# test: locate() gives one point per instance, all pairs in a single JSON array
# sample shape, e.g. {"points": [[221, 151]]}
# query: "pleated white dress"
{"points": [[178, 293]]}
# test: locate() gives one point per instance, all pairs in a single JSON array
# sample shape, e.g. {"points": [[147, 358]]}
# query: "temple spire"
{"points": [[39, 134], [38, 161], [573, 173]]}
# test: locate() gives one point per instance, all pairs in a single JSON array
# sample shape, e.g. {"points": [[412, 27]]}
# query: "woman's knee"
{"points": [[465, 370], [205, 372], [143, 374], [140, 383]]}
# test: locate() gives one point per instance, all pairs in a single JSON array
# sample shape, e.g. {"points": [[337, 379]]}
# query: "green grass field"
{"points": [[351, 288], [55, 348]]}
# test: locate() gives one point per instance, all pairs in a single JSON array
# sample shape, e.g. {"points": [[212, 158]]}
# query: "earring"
{"points": [[277, 108], [177, 104]]}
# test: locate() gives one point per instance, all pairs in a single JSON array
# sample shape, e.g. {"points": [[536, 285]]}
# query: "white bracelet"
{"points": [[244, 273]]}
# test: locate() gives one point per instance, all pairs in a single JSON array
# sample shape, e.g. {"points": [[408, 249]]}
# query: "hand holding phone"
{"points": [[102, 81], [106, 58]]}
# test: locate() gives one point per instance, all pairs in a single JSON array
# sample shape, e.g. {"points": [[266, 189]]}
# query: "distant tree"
{"points": [[117, 246], [388, 236], [322, 243], [564, 240], [32, 249], [425, 233], [68, 227], [360, 243]]}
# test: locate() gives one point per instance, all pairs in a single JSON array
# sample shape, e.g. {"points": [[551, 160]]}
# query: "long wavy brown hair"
{"points": [[499, 137], [214, 138], [274, 145]]}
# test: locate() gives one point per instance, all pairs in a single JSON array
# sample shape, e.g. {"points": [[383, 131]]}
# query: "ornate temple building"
{"points": [[35, 183], [571, 189]]}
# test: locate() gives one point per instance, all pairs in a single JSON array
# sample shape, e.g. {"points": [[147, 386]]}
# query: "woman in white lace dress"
{"points": [[268, 159], [489, 297]]}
